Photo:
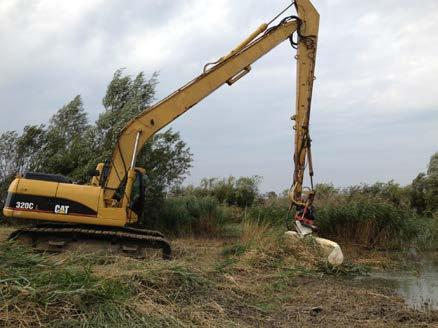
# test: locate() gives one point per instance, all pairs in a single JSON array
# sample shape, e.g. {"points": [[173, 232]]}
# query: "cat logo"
{"points": [[61, 209]]}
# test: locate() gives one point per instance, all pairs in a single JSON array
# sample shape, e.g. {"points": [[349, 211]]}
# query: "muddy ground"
{"points": [[219, 283]]}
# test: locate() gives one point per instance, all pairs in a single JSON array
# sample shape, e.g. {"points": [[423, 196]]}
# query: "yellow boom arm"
{"points": [[306, 55], [228, 70]]}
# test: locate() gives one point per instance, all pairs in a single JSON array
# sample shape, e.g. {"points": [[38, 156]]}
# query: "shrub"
{"points": [[387, 191], [192, 215], [241, 192], [372, 216], [370, 222], [274, 213]]}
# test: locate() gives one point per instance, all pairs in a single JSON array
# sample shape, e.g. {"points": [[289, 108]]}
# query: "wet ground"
{"points": [[418, 286]]}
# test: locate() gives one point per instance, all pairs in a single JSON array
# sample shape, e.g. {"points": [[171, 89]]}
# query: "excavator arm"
{"points": [[306, 54], [228, 70]]}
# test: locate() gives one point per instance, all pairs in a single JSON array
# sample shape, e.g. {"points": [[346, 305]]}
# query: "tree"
{"points": [[432, 169], [424, 189], [165, 156], [247, 190], [8, 161], [241, 192], [66, 148], [125, 98], [432, 183], [325, 190], [29, 145], [17, 154], [222, 189], [8, 154], [418, 193], [166, 159], [69, 122]]}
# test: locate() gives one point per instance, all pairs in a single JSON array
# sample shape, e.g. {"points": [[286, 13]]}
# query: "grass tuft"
{"points": [[346, 269], [34, 283]]}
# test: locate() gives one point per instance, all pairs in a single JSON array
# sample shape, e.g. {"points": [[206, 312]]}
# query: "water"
{"points": [[419, 288]]}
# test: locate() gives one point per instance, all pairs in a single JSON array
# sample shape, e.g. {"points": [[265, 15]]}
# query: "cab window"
{"points": [[137, 194]]}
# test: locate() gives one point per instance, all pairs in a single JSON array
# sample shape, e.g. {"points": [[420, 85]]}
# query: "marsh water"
{"points": [[418, 287]]}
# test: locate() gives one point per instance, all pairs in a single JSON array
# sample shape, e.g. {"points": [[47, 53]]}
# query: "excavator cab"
{"points": [[131, 191], [137, 194]]}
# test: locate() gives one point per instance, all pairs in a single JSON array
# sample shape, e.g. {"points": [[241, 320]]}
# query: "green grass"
{"points": [[53, 291], [376, 223], [45, 290], [275, 212], [236, 249], [347, 269], [365, 220], [190, 215]]}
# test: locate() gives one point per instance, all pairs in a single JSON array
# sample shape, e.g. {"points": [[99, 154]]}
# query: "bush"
{"points": [[241, 192], [192, 215], [371, 222], [372, 216], [275, 213]]}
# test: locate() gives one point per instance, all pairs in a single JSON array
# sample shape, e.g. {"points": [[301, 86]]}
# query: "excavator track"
{"points": [[129, 240]]}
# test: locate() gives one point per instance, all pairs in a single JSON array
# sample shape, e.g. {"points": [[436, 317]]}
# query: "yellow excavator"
{"points": [[109, 207]]}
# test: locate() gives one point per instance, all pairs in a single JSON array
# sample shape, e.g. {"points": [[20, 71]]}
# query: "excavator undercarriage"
{"points": [[56, 237]]}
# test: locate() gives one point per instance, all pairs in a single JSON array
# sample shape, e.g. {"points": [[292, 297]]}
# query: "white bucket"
{"points": [[331, 249]]}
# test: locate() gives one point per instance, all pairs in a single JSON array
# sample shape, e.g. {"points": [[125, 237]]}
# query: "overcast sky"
{"points": [[375, 105]]}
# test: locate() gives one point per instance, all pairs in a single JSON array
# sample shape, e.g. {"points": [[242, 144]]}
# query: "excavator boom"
{"points": [[306, 55], [227, 70]]}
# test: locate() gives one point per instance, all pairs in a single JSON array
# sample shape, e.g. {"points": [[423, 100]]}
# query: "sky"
{"points": [[375, 103]]}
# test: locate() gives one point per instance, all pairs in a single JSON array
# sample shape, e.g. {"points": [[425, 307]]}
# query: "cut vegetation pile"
{"points": [[259, 279]]}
